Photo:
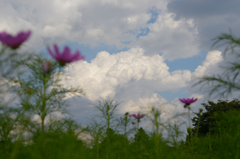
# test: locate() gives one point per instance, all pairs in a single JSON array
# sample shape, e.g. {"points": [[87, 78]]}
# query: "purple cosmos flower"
{"points": [[66, 56], [14, 42], [188, 101], [47, 67], [138, 116]]}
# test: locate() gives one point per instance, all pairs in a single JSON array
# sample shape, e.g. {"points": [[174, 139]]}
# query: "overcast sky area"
{"points": [[138, 52]]}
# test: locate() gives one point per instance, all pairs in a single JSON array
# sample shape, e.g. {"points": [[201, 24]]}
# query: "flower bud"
{"points": [[126, 113], [186, 105], [29, 91], [47, 67]]}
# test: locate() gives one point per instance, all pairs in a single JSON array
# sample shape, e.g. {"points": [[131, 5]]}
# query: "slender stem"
{"points": [[125, 126], [198, 124], [190, 124], [43, 115], [97, 147], [125, 130], [44, 103], [108, 132], [157, 124]]}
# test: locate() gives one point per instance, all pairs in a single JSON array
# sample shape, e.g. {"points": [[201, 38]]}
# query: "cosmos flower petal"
{"points": [[14, 41], [66, 56], [133, 115], [188, 101], [138, 116], [56, 51], [50, 52]]}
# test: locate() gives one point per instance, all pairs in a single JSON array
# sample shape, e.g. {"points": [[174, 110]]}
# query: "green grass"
{"points": [[62, 142]]}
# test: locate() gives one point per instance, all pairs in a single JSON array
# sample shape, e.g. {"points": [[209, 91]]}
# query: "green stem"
{"points": [[198, 124], [108, 125], [43, 115], [190, 125], [210, 146], [97, 147], [44, 103]]}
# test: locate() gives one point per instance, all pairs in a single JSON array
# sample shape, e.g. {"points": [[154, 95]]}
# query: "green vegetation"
{"points": [[219, 138]]}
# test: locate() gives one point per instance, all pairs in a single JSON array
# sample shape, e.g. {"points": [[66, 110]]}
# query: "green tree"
{"points": [[208, 121], [141, 144], [112, 143], [141, 136]]}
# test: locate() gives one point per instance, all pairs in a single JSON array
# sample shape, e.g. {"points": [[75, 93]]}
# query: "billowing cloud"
{"points": [[129, 71]]}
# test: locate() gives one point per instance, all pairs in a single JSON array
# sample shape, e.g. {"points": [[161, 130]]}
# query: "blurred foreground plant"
{"points": [[38, 92], [232, 44]]}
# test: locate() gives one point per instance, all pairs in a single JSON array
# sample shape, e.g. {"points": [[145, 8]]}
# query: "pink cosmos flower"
{"points": [[138, 116], [14, 41], [47, 67], [66, 56], [188, 101]]}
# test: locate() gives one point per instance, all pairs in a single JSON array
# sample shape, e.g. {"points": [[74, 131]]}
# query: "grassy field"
{"points": [[60, 140]]}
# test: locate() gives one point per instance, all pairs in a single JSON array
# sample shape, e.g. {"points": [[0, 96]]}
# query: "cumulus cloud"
{"points": [[128, 71], [209, 64]]}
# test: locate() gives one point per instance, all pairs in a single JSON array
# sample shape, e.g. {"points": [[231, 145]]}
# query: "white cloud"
{"points": [[213, 57], [129, 71], [174, 38]]}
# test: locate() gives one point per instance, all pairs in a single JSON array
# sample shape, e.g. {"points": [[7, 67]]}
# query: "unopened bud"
{"points": [[29, 91], [47, 67], [186, 105]]}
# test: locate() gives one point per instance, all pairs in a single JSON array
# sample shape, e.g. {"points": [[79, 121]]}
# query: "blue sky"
{"points": [[140, 52]]}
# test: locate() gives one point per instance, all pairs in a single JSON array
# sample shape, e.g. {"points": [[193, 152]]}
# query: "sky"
{"points": [[137, 52]]}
